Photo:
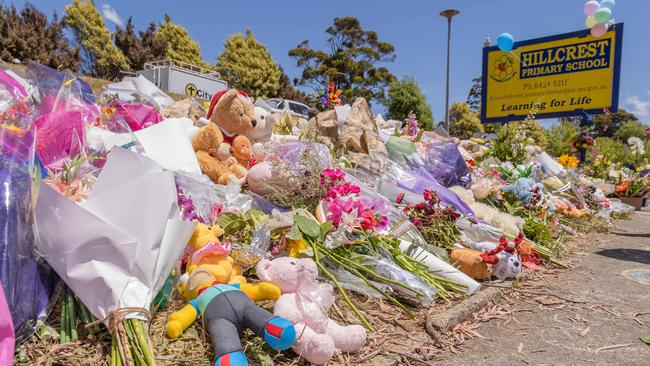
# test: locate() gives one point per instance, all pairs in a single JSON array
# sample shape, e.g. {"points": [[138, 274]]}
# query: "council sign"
{"points": [[556, 76]]}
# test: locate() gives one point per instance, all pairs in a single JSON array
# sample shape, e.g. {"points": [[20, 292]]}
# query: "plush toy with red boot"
{"points": [[504, 259]]}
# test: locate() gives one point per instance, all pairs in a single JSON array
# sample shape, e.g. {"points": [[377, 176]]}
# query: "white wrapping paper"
{"points": [[168, 144], [116, 249], [440, 267]]}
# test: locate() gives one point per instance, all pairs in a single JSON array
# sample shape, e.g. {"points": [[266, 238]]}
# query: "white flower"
{"points": [[636, 145]]}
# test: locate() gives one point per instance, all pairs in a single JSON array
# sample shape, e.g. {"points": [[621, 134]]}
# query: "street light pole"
{"points": [[449, 13]]}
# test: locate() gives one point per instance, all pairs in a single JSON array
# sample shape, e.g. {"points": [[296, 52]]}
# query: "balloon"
{"points": [[591, 7], [590, 22], [599, 30], [505, 41], [602, 15], [609, 4]]}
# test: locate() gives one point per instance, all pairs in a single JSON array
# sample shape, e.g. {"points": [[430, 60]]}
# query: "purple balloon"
{"points": [[591, 7]]}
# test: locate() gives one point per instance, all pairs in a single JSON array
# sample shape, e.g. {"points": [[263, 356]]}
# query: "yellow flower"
{"points": [[296, 247], [568, 161]]}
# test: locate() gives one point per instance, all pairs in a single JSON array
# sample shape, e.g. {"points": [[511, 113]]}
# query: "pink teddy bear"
{"points": [[305, 302]]}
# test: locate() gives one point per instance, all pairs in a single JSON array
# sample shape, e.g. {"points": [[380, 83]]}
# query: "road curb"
{"points": [[437, 324]]}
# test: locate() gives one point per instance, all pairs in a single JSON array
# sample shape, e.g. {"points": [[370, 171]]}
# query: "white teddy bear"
{"points": [[305, 302]]}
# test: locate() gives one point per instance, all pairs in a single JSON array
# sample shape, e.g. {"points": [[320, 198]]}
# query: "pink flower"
{"points": [[333, 174], [342, 190], [336, 207]]}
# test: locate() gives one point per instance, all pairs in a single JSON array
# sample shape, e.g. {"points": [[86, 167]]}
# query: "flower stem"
{"points": [[341, 290]]}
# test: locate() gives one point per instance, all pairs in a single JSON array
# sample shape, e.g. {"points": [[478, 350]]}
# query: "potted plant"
{"points": [[633, 190]]}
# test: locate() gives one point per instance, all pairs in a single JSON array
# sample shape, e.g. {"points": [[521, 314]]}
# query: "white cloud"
{"points": [[638, 106], [111, 14]]}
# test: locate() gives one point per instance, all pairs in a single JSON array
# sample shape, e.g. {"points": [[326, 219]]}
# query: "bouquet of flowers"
{"points": [[436, 223], [27, 284], [525, 190], [633, 186], [332, 97]]}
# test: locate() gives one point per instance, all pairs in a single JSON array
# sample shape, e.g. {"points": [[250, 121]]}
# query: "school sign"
{"points": [[557, 76]]}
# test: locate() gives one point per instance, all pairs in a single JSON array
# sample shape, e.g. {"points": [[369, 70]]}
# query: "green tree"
{"points": [[606, 125], [404, 97], [560, 136], [351, 62], [631, 128], [100, 56], [28, 35], [289, 91], [140, 49], [247, 64], [180, 45], [463, 121], [474, 95]]}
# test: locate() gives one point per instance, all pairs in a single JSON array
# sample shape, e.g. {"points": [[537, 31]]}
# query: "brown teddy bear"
{"points": [[206, 145], [232, 115], [233, 112]]}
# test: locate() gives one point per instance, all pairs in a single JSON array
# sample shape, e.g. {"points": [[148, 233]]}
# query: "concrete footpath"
{"points": [[595, 314]]}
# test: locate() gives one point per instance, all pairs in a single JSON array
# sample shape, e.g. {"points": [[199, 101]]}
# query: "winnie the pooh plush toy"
{"points": [[216, 290], [209, 254], [305, 302]]}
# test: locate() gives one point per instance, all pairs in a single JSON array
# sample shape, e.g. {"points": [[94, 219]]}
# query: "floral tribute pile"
{"points": [[132, 222]]}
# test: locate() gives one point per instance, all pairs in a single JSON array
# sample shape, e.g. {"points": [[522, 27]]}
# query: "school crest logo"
{"points": [[503, 69]]}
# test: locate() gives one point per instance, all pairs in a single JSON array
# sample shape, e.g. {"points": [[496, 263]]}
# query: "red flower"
{"points": [[420, 206], [400, 198], [428, 195], [368, 220]]}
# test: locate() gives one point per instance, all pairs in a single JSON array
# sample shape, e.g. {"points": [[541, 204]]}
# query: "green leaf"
{"points": [[254, 217], [231, 222], [324, 229], [294, 233], [261, 357], [308, 226], [645, 339], [438, 252]]}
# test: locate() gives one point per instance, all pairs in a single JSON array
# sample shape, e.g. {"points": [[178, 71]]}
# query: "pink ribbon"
{"points": [[210, 249]]}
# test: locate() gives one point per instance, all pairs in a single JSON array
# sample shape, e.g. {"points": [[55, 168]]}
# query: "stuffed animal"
{"points": [[258, 176], [208, 145], [508, 224], [227, 311], [471, 263], [504, 258], [265, 124], [209, 254], [233, 112], [242, 150], [305, 302]]}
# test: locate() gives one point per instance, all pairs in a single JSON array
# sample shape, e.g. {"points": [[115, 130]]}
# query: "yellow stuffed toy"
{"points": [[207, 253]]}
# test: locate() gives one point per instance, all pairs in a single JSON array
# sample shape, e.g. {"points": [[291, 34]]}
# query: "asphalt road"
{"points": [[608, 288]]}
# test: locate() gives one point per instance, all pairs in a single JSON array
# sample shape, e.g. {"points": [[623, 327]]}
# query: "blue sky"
{"points": [[412, 26]]}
